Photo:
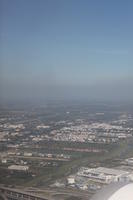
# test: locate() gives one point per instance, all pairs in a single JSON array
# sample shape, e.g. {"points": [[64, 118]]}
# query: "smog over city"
{"points": [[66, 98]]}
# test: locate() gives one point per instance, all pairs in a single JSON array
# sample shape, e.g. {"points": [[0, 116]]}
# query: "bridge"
{"points": [[15, 194]]}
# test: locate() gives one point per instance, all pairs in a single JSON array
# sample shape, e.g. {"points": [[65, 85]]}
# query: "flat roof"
{"points": [[110, 171]]}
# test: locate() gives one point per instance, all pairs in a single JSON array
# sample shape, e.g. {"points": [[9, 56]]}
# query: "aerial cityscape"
{"points": [[66, 147], [66, 100]]}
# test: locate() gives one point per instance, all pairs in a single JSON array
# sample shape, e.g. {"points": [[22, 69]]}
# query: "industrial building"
{"points": [[18, 168], [104, 175]]}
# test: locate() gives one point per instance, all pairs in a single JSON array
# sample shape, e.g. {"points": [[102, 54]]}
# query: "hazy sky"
{"points": [[66, 48]]}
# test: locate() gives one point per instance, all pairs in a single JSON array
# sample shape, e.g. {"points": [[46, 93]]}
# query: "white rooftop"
{"points": [[110, 171]]}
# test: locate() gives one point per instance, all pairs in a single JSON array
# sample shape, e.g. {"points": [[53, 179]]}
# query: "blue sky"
{"points": [[57, 45]]}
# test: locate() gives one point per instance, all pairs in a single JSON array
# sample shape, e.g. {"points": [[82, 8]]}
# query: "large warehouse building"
{"points": [[105, 175]]}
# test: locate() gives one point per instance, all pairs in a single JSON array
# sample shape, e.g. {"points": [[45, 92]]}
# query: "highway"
{"points": [[41, 194], [40, 158], [16, 194]]}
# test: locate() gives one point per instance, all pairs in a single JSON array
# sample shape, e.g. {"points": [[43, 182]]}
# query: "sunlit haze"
{"points": [[66, 49]]}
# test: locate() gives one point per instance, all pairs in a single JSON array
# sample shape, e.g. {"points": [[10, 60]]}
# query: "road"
{"points": [[40, 158], [43, 194]]}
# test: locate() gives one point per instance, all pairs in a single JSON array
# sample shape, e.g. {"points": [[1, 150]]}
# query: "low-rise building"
{"points": [[27, 154], [129, 161], [71, 180], [18, 167], [104, 175], [4, 160]]}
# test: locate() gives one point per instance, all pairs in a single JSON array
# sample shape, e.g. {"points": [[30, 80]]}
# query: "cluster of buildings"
{"points": [[21, 161], [105, 175], [95, 178], [17, 154], [75, 131], [9, 130], [9, 126], [94, 132]]}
